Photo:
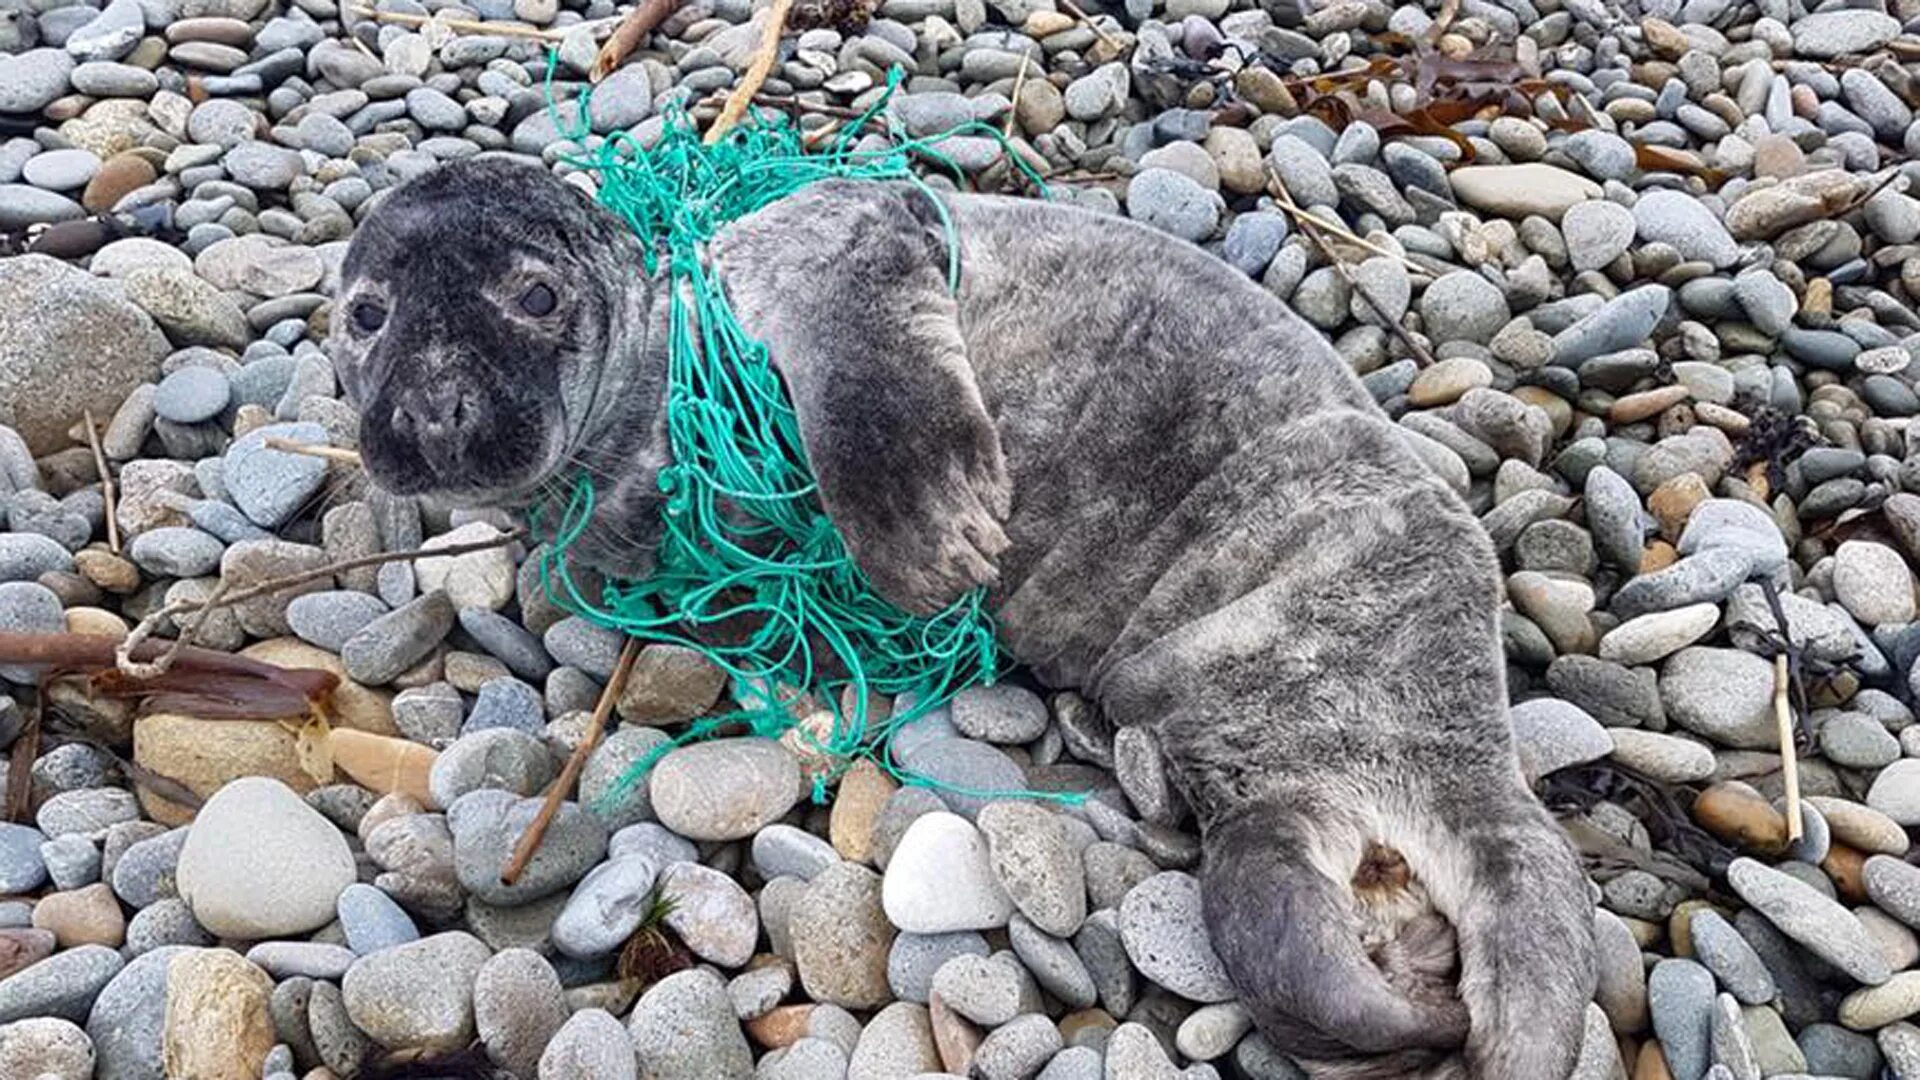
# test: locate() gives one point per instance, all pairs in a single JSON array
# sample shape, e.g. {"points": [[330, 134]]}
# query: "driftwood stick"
{"points": [[153, 669], [331, 453], [1019, 83], [463, 26], [523, 851], [627, 36], [1308, 221], [1074, 10], [1789, 757], [756, 75], [106, 480], [1311, 226]]}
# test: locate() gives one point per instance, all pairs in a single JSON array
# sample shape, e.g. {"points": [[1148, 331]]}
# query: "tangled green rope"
{"points": [[745, 534]]}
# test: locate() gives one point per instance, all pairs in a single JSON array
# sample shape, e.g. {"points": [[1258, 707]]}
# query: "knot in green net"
{"points": [[745, 539]]}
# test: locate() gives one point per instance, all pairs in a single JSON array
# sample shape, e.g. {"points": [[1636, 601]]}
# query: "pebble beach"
{"points": [[1636, 278]]}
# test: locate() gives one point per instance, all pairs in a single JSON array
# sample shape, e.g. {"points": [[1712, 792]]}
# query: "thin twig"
{"points": [[1019, 83], [1885, 182], [123, 653], [331, 453], [821, 134], [106, 480], [464, 26], [756, 75], [1074, 10], [217, 599], [523, 852], [626, 37], [1311, 226], [1449, 10], [1341, 231], [1789, 758]]}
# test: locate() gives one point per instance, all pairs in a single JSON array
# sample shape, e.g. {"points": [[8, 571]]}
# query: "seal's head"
{"points": [[492, 327]]}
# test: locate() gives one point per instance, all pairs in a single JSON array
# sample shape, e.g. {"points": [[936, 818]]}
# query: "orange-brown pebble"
{"points": [[1739, 815], [1658, 556], [118, 175], [1673, 502], [87, 916], [784, 1026], [1652, 1064], [863, 792], [1636, 407], [1846, 867]]}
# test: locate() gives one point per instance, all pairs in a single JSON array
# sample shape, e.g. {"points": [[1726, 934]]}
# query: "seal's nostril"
{"points": [[404, 423]]}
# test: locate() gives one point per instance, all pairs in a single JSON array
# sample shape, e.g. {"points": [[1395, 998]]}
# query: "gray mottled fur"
{"points": [[1183, 503]]}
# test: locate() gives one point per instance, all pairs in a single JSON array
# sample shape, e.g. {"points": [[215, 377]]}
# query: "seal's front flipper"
{"points": [[846, 285]]}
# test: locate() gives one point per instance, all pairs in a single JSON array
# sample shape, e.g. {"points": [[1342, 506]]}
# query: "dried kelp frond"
{"points": [[1775, 439], [201, 682], [846, 16]]}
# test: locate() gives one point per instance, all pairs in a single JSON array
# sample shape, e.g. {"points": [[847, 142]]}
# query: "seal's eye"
{"points": [[538, 300], [368, 316]]}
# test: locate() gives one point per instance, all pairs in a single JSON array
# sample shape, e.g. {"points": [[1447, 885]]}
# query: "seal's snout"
{"points": [[442, 420]]}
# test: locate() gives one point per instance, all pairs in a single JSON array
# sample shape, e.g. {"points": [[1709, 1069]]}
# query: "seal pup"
{"points": [[1181, 501]]}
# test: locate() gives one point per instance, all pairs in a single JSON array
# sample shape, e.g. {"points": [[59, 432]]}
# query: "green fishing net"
{"points": [[745, 534]]}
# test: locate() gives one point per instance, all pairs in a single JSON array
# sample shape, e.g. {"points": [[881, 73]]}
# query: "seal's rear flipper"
{"points": [[1291, 941], [846, 285]]}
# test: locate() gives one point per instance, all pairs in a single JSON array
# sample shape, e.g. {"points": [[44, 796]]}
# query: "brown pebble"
{"points": [[1664, 38], [1652, 1064], [1658, 556], [1739, 815], [1846, 867], [1636, 407], [1680, 924], [863, 792], [1673, 502], [118, 175], [88, 916], [784, 1026], [107, 570]]}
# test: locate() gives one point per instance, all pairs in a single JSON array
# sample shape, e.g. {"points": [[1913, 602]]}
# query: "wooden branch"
{"points": [[219, 599], [465, 26], [627, 36], [1311, 227], [1303, 218], [106, 480], [123, 653], [523, 851], [1019, 83], [331, 453], [1074, 10], [1789, 757], [756, 75]]}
